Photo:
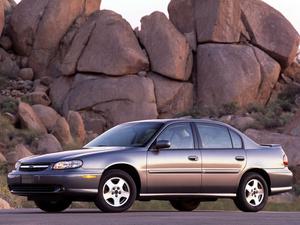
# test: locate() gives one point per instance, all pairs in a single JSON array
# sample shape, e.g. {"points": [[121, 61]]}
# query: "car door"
{"points": [[223, 158], [178, 168]]}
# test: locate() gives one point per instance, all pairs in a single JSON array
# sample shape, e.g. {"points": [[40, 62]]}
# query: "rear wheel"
{"points": [[185, 205], [117, 192], [252, 195], [53, 205]]}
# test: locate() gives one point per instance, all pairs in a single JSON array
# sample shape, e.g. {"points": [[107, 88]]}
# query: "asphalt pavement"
{"points": [[93, 216]]}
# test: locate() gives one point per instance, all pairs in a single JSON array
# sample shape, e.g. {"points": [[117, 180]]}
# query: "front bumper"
{"points": [[49, 183]]}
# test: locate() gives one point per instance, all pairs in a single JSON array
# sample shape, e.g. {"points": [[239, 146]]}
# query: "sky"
{"points": [[133, 10]]}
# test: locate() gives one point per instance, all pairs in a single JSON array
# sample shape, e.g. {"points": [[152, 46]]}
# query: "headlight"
{"points": [[17, 165], [62, 165]]}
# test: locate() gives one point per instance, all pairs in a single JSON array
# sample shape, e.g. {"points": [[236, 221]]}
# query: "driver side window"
{"points": [[179, 135]]}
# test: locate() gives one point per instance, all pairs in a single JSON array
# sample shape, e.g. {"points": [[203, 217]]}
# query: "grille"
{"points": [[35, 188], [33, 167]]}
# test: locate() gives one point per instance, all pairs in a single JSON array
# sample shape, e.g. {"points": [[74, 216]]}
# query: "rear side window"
{"points": [[236, 140], [214, 137]]}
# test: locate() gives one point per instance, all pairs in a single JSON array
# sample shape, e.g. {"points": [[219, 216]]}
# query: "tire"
{"points": [[252, 195], [117, 192], [53, 206], [185, 205]]}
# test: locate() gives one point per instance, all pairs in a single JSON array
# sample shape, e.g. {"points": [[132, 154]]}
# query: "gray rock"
{"points": [[62, 132], [172, 97], [239, 74], [77, 127], [26, 74], [133, 98], [47, 115], [168, 49], [181, 14], [264, 23], [29, 119], [38, 98], [48, 144], [113, 41], [218, 21]]}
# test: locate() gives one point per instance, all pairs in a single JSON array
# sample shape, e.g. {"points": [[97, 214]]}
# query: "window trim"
{"points": [[195, 140], [200, 145], [231, 130]]}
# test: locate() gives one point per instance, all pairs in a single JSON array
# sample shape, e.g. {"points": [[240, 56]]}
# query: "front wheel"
{"points": [[52, 205], [117, 192], [252, 195], [185, 205]]}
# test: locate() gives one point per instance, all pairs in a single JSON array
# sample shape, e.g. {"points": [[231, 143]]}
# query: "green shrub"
{"points": [[9, 105], [255, 108], [228, 109], [27, 100], [203, 111], [3, 168], [289, 94], [12, 136]]}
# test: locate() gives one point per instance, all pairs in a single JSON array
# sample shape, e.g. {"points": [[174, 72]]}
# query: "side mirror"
{"points": [[162, 144]]}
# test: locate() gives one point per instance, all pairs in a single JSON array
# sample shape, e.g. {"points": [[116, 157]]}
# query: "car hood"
{"points": [[69, 155]]}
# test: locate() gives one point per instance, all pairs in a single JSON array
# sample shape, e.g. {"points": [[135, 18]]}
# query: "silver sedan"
{"points": [[183, 161]]}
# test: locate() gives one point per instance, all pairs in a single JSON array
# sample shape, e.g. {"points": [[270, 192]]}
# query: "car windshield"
{"points": [[127, 135]]}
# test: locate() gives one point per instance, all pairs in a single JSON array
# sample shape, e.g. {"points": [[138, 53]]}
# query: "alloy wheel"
{"points": [[116, 191], [254, 192]]}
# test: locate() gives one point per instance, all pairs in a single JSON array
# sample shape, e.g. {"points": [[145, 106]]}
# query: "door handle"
{"points": [[193, 158], [239, 158]]}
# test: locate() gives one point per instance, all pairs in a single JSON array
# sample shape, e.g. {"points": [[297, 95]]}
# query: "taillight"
{"points": [[285, 160]]}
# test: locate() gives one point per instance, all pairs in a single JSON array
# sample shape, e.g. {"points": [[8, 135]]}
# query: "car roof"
{"points": [[169, 121]]}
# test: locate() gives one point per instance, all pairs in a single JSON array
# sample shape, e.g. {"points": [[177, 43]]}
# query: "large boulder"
{"points": [[48, 144], [270, 30], [57, 18], [59, 90], [290, 144], [77, 127], [270, 71], [24, 23], [62, 132], [47, 115], [2, 17], [110, 100], [38, 26], [69, 63], [218, 20], [181, 14], [114, 43], [29, 119], [168, 49], [239, 74], [172, 97]]}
